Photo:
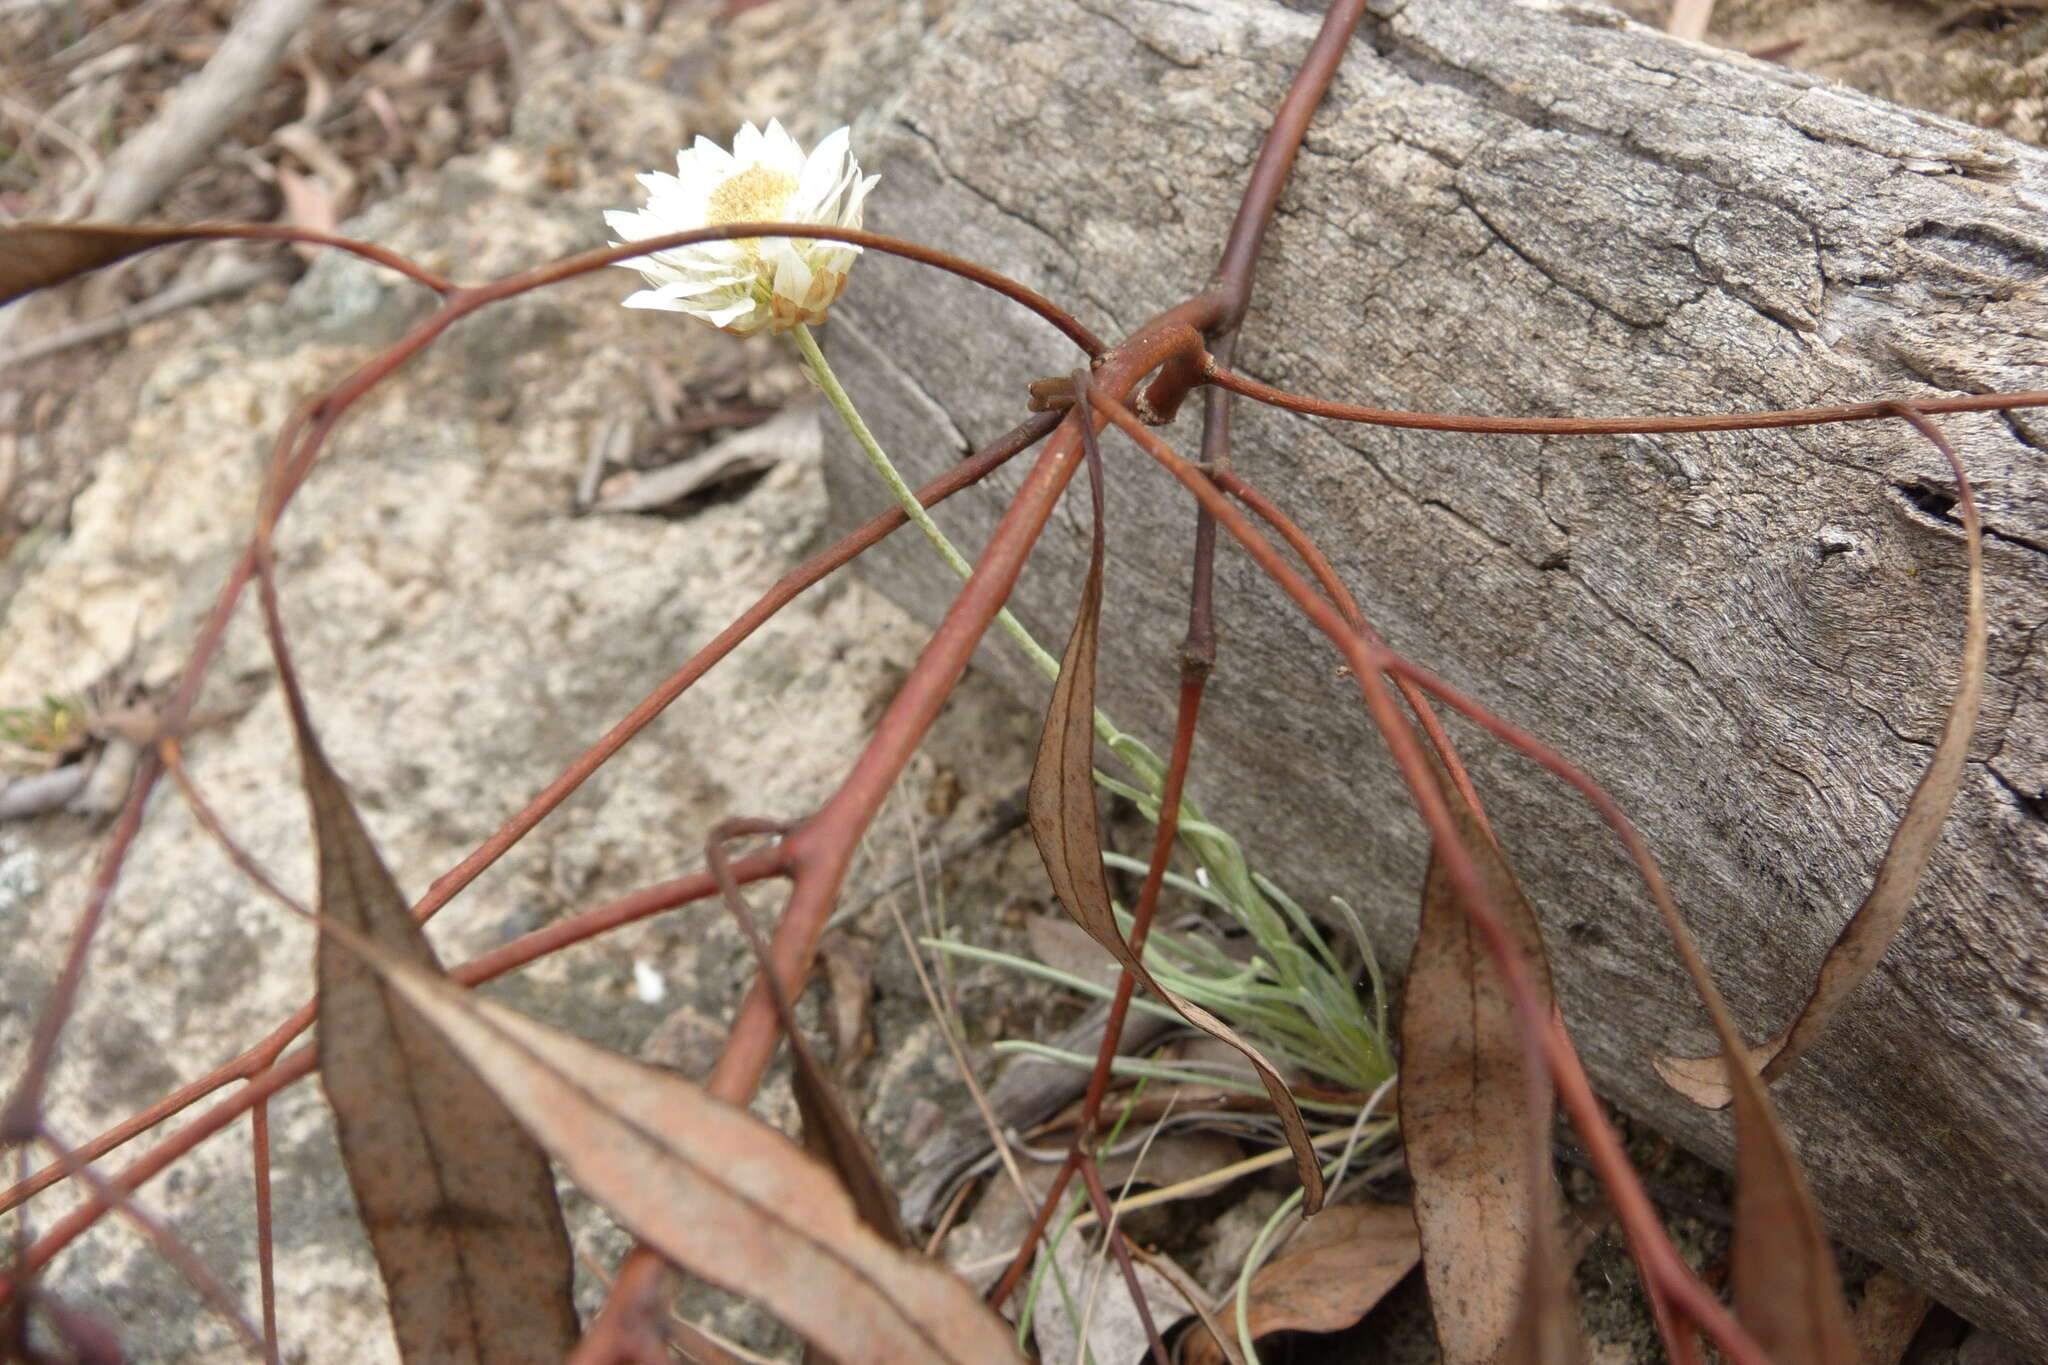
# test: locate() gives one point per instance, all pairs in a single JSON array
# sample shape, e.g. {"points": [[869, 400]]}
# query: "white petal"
{"points": [[625, 224], [698, 279], [850, 216], [673, 291], [722, 258], [704, 154], [683, 206], [723, 317], [782, 153], [825, 172], [839, 259], [648, 298], [700, 290], [792, 276]]}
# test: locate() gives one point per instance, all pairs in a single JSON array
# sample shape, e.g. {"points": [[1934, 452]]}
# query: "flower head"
{"points": [[746, 284]]}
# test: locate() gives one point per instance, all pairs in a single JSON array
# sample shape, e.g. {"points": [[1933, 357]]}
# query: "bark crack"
{"points": [[1051, 239]]}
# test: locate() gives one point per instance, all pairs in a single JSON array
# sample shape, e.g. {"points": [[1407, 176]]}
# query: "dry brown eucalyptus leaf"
{"points": [[1787, 1290], [1333, 1273], [1466, 1117], [714, 1189], [458, 1201]]}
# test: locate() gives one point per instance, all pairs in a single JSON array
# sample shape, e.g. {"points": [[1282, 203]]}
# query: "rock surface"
{"points": [[1750, 639]]}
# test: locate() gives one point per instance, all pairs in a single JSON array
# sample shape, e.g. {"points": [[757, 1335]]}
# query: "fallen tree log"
{"points": [[1749, 638]]}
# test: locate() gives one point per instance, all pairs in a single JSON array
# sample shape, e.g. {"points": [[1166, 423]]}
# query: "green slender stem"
{"points": [[821, 370]]}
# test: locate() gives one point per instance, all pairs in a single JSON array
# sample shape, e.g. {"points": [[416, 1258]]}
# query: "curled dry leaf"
{"points": [[1334, 1272], [1704, 1080], [714, 1189], [1029, 1091], [792, 434], [1869, 932], [309, 203], [1469, 1119], [1061, 807], [459, 1202], [831, 1134]]}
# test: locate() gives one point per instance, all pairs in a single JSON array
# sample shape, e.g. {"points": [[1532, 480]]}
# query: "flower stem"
{"points": [[821, 370]]}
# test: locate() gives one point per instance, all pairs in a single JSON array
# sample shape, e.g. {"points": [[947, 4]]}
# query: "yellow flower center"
{"points": [[756, 194]]}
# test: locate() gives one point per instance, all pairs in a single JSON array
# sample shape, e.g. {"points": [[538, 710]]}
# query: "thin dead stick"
{"points": [[238, 279], [79, 147], [515, 49], [192, 121], [26, 797]]}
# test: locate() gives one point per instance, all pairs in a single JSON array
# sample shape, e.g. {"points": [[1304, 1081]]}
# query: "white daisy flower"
{"points": [[748, 284]]}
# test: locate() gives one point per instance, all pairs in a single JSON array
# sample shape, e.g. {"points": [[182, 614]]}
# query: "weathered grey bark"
{"points": [[1750, 639]]}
